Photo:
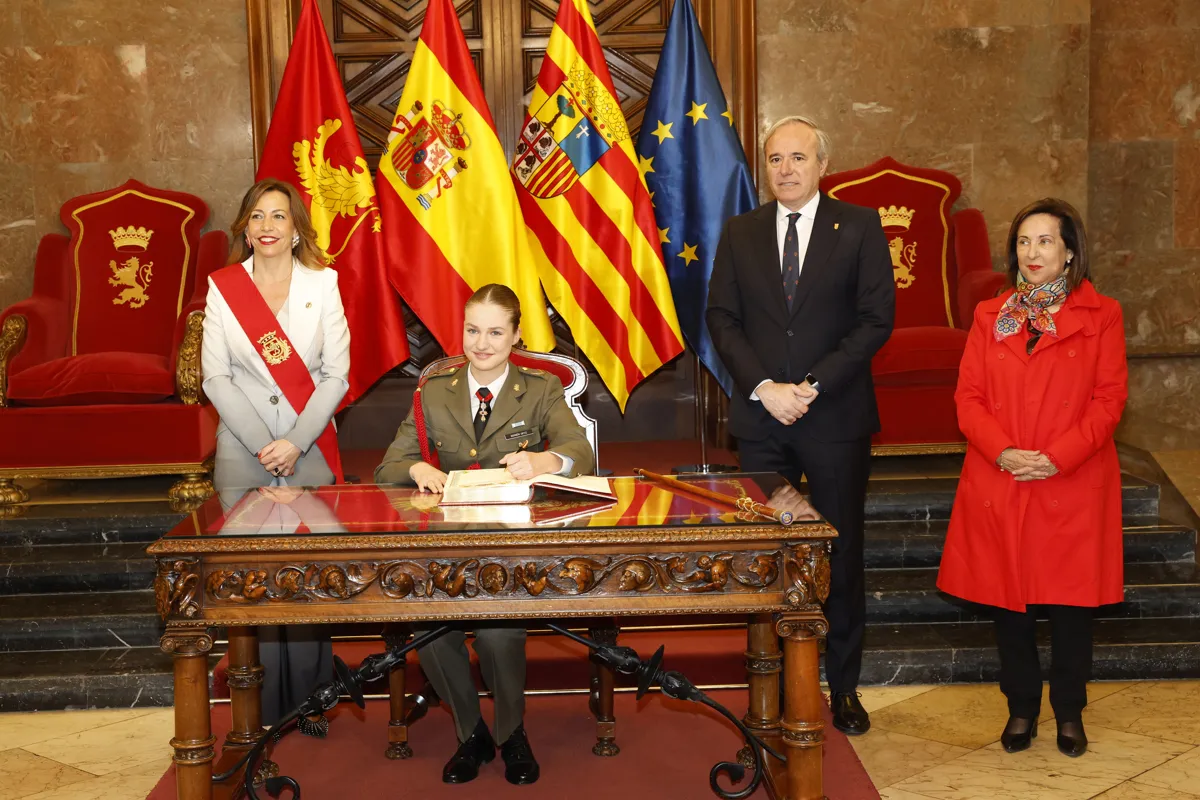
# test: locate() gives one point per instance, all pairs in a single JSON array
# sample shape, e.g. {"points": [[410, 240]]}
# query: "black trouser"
{"points": [[837, 474], [1070, 660]]}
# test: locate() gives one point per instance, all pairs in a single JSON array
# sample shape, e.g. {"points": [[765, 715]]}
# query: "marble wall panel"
{"points": [[74, 104], [1131, 187], [200, 95], [1187, 193], [1145, 84], [103, 22], [894, 86], [17, 232], [1128, 15], [1009, 177], [1159, 291], [1161, 411]]}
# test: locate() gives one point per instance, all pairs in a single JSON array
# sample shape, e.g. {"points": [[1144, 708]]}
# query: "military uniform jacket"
{"points": [[529, 412]]}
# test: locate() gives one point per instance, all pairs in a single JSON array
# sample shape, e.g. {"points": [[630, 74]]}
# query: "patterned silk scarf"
{"points": [[1029, 304]]}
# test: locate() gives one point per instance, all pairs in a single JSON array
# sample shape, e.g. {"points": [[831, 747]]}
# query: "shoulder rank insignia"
{"points": [[442, 373], [532, 371]]}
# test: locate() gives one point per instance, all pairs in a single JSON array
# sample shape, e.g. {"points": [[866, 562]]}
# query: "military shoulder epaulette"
{"points": [[442, 373], [532, 371]]}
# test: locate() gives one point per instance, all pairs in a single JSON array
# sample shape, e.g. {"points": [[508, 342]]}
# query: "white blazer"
{"points": [[316, 327]]}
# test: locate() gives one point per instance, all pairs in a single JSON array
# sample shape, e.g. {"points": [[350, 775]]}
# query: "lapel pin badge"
{"points": [[835, 226]]}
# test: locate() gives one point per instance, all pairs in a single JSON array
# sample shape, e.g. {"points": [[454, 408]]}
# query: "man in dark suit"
{"points": [[801, 298]]}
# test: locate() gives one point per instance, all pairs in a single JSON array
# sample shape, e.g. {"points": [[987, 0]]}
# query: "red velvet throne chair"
{"points": [[100, 368], [943, 268]]}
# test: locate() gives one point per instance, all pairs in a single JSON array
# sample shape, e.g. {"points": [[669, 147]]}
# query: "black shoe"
{"points": [[1072, 741], [520, 767], [849, 716], [1018, 734], [479, 748]]}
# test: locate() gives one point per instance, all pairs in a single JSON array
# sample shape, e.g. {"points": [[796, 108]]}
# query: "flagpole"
{"points": [[703, 468]]}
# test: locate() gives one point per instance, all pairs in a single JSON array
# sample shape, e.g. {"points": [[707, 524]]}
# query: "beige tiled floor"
{"points": [[926, 743], [941, 743]]}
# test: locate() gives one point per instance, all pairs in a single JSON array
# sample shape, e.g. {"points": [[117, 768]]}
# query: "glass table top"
{"points": [[367, 508]]}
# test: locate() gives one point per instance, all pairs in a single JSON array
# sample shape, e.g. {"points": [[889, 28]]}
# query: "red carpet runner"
{"points": [[667, 749]]}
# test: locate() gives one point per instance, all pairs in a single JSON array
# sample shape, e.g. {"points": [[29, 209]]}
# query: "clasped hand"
{"points": [[786, 402], [1026, 465], [279, 457]]}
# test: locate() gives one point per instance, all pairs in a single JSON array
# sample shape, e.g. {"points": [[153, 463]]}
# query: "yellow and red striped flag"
{"points": [[453, 222], [585, 201]]}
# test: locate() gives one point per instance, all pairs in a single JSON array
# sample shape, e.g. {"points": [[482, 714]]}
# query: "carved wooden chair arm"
{"points": [[188, 379], [12, 337]]}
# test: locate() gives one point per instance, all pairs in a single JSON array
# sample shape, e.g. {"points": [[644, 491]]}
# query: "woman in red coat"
{"points": [[1036, 523]]}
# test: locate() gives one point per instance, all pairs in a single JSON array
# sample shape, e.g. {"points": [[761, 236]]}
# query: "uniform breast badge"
{"points": [[275, 350]]}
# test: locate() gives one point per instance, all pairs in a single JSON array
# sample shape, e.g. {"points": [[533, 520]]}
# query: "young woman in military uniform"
{"points": [[491, 413]]}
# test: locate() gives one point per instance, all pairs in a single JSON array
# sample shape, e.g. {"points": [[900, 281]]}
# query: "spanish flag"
{"points": [[583, 194], [312, 143], [453, 223]]}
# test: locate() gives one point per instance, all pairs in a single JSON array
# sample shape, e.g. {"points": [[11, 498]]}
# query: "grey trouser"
{"points": [[501, 651]]}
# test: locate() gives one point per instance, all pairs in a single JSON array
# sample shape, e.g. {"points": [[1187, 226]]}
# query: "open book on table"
{"points": [[466, 487], [541, 514]]}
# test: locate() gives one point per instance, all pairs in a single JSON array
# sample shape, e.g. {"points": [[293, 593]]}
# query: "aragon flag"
{"points": [[453, 219], [313, 145], [586, 203]]}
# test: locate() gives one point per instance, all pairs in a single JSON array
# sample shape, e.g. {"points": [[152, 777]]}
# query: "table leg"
{"points": [[193, 741], [245, 678], [396, 637], [603, 684], [803, 725], [763, 665]]}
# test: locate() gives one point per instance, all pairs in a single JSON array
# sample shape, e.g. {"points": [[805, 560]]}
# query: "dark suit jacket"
{"points": [[844, 310]]}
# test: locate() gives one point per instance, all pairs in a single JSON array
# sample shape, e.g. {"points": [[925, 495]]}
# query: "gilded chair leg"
{"points": [[11, 493], [190, 491]]}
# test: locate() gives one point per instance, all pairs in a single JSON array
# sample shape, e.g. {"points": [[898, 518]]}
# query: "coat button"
{"points": [[274, 399], [472, 452], [1001, 356], [1071, 353], [997, 405], [790, 333], [438, 444], [308, 305], [1054, 503], [987, 503], [1066, 404]]}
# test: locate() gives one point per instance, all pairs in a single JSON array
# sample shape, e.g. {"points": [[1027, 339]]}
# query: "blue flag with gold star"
{"points": [[696, 171]]}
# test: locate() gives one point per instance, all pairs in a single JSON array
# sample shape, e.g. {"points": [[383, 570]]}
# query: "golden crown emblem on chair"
{"points": [[131, 238], [893, 217]]}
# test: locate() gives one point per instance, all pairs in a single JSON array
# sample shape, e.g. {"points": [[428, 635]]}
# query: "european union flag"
{"points": [[697, 173]]}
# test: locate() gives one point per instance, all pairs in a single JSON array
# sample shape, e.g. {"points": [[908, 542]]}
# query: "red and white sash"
{"points": [[283, 362]]}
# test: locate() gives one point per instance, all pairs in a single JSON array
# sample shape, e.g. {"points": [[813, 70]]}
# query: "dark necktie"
{"points": [[791, 260], [485, 408]]}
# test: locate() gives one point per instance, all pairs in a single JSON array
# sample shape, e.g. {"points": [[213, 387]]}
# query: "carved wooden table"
{"points": [[368, 553]]}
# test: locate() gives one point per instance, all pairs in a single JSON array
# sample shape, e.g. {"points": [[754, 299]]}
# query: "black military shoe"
{"points": [[479, 748], [849, 716], [520, 767]]}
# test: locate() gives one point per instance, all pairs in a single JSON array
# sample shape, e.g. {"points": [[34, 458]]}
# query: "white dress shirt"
{"points": [[495, 387], [804, 226]]}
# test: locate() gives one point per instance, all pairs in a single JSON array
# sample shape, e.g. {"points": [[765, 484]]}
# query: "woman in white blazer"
{"points": [[263, 439]]}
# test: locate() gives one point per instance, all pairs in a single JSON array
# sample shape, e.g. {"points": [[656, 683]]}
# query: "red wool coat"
{"points": [[1056, 540]]}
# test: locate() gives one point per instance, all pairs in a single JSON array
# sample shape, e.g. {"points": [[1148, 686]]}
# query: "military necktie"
{"points": [[485, 408], [791, 260]]}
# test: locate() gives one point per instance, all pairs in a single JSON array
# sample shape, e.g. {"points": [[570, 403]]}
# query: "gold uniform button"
{"points": [[308, 305], [439, 444], [274, 400], [472, 452]]}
